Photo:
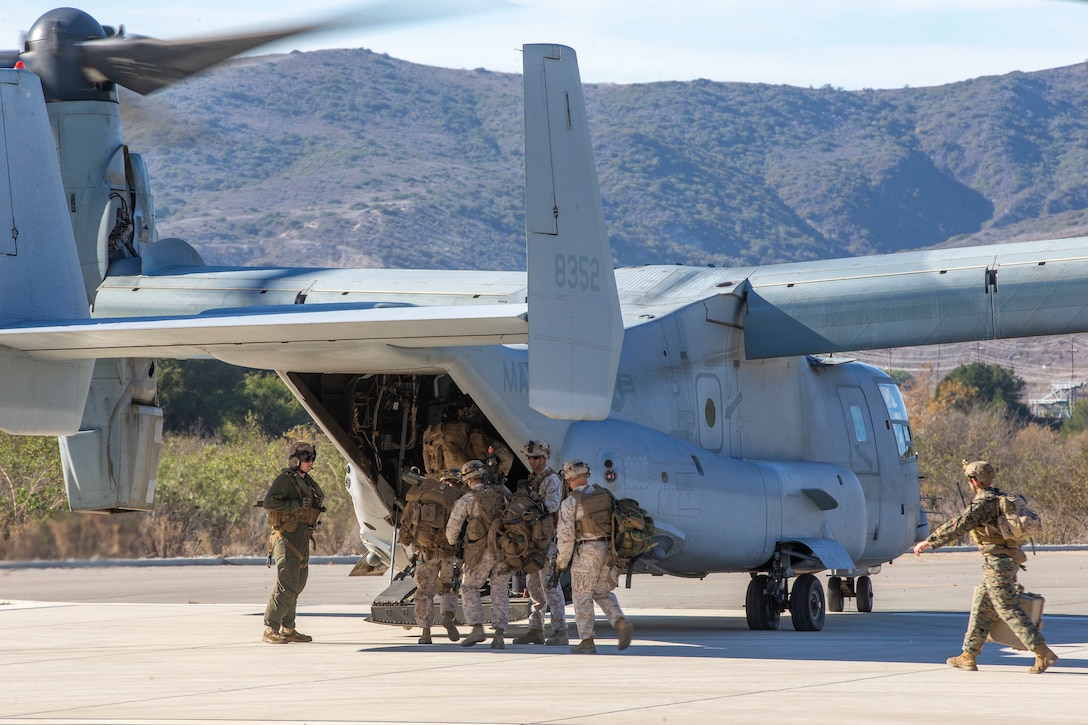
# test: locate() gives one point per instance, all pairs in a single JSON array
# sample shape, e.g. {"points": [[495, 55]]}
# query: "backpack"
{"points": [[1017, 521], [491, 500], [632, 529], [428, 509], [524, 533]]}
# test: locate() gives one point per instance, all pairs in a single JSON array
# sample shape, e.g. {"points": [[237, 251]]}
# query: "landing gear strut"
{"points": [[768, 597]]}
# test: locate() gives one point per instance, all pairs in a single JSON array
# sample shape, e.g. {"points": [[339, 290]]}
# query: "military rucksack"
{"points": [[632, 529], [490, 501], [1017, 521], [428, 507], [524, 533]]}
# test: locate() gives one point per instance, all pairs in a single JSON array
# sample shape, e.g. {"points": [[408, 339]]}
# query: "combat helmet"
{"points": [[452, 475], [472, 470], [537, 448], [575, 468], [298, 452], [982, 471]]}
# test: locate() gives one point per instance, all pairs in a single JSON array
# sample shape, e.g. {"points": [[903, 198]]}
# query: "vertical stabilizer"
{"points": [[39, 268], [575, 327]]}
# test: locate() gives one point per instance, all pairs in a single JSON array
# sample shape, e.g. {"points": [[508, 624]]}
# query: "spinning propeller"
{"points": [[77, 58]]}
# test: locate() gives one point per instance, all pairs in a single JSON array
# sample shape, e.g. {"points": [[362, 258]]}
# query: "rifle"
{"points": [[458, 559], [551, 573]]}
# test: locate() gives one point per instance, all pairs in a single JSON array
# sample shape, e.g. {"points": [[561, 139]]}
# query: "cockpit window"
{"points": [[897, 415], [893, 399]]}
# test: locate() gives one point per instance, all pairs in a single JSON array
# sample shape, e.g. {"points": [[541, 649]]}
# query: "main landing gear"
{"points": [[769, 594], [767, 598], [839, 589]]}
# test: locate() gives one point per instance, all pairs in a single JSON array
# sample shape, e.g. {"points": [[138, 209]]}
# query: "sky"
{"points": [[842, 43]]}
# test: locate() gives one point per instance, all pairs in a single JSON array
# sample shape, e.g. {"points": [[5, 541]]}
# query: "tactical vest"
{"points": [[990, 539], [596, 519], [538, 492], [289, 520]]}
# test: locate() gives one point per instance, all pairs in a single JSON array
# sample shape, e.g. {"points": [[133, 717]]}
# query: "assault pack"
{"points": [[621, 520], [632, 529], [1017, 521], [427, 510], [524, 533]]}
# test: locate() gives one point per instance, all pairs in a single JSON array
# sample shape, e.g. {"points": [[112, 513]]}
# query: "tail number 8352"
{"points": [[578, 272]]}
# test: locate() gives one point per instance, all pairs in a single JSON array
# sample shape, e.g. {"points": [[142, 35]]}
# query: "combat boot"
{"points": [[965, 661], [475, 636], [1044, 658], [273, 636], [533, 636], [625, 630], [293, 635], [451, 627], [559, 638], [497, 641], [425, 638], [585, 647]]}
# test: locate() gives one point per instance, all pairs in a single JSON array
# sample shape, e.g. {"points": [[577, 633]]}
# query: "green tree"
{"points": [[198, 396], [271, 404], [207, 396], [1078, 421], [982, 385]]}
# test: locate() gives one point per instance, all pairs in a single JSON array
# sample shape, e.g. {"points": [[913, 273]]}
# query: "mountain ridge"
{"points": [[354, 158]]}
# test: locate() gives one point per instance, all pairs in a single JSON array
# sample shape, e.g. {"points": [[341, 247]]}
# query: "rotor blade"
{"points": [[144, 64], [147, 64]]}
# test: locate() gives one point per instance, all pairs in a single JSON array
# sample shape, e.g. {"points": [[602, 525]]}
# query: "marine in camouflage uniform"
{"points": [[434, 574], [293, 502], [480, 508], [545, 488], [452, 443], [999, 595], [593, 573]]}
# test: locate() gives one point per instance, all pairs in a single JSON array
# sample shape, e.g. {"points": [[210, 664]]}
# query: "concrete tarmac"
{"points": [[181, 644]]}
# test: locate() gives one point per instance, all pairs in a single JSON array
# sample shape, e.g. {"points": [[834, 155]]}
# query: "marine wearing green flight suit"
{"points": [[293, 503], [999, 595]]}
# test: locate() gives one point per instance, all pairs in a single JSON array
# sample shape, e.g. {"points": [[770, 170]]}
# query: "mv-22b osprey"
{"points": [[700, 392]]}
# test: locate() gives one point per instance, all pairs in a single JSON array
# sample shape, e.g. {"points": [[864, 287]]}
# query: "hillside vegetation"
{"points": [[351, 158]]}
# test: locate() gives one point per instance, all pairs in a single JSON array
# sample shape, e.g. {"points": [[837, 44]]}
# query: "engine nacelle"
{"points": [[111, 463]]}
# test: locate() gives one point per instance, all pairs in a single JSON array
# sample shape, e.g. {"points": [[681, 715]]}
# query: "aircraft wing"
{"points": [[275, 338], [918, 298]]}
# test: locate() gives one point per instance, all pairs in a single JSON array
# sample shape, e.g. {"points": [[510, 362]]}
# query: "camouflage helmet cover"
{"points": [[451, 474], [982, 471], [537, 448], [473, 470], [575, 468], [308, 451]]}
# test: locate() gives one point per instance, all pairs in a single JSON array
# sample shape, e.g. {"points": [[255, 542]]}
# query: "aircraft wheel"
{"points": [[807, 604], [864, 591], [759, 609], [834, 594]]}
